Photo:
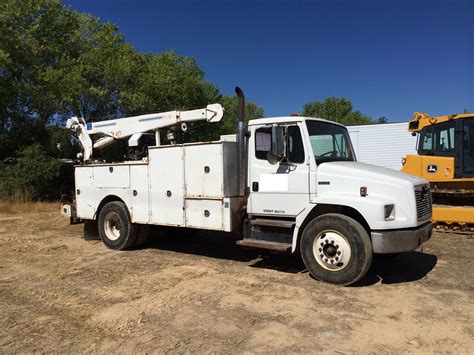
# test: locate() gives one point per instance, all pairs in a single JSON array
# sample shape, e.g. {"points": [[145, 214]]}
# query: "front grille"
{"points": [[423, 201]]}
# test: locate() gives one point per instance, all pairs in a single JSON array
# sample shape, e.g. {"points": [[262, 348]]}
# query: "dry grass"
{"points": [[28, 207]]}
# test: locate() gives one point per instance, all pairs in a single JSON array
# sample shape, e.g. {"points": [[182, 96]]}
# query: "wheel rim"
{"points": [[332, 250], [112, 225]]}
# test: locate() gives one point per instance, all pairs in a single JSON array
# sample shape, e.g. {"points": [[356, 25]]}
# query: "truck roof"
{"points": [[284, 119]]}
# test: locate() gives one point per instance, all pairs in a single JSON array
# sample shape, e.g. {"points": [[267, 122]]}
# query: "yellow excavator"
{"points": [[445, 147]]}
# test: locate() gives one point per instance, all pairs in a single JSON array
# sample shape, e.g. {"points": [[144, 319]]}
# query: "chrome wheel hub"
{"points": [[112, 226], [331, 250]]}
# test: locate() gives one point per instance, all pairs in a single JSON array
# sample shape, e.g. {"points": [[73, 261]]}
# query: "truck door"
{"points": [[280, 189], [166, 185]]}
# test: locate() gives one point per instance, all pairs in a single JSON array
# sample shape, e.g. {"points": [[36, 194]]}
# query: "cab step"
{"points": [[272, 223], [264, 244]]}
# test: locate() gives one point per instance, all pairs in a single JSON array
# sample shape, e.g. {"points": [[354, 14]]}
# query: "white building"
{"points": [[382, 144]]}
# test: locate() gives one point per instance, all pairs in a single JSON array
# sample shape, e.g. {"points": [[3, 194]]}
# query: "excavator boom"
{"points": [[422, 120]]}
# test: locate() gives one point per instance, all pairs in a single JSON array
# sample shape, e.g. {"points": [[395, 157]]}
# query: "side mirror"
{"points": [[277, 152]]}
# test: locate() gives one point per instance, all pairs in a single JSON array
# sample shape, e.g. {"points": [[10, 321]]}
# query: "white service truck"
{"points": [[287, 183]]}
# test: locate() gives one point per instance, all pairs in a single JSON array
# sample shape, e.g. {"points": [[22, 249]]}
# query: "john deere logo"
{"points": [[432, 168]]}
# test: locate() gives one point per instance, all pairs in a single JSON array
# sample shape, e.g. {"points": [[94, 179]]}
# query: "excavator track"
{"points": [[442, 227], [453, 209], [453, 219]]}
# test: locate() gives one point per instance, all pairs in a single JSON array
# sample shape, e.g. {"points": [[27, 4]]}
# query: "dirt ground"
{"points": [[195, 292]]}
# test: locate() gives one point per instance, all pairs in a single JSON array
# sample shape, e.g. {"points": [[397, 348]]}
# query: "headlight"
{"points": [[389, 211]]}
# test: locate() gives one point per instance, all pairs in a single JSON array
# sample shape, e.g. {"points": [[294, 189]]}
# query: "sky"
{"points": [[389, 57]]}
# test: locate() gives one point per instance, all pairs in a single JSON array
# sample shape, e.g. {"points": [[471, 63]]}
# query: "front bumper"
{"points": [[400, 240]]}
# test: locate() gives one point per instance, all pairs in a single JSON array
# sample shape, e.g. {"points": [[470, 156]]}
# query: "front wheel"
{"points": [[336, 249]]}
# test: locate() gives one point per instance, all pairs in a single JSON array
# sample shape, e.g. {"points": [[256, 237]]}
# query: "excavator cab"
{"points": [[445, 150], [454, 139], [445, 147]]}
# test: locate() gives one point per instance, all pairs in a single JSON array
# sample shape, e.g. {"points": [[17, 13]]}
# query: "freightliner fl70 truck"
{"points": [[285, 183]]}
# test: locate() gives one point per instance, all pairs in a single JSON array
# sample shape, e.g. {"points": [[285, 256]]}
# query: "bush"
{"points": [[34, 176]]}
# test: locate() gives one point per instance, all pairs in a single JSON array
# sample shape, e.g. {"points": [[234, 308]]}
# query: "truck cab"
{"points": [[308, 191]]}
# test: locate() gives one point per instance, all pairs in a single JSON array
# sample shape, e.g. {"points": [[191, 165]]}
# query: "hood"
{"points": [[370, 173], [343, 180]]}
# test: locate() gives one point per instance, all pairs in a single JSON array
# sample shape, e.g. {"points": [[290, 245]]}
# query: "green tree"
{"points": [[59, 144], [55, 63], [336, 109], [165, 82], [34, 176]]}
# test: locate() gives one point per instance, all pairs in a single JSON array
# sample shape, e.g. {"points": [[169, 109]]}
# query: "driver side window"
{"points": [[294, 144], [263, 142]]}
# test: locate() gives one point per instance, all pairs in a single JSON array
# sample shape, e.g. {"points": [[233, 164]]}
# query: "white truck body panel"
{"points": [[191, 185], [86, 202], [206, 214], [166, 170], [140, 203], [382, 144], [112, 176], [210, 170]]}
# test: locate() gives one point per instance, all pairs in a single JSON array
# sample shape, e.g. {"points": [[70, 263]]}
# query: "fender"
{"points": [[110, 198], [370, 207], [93, 213]]}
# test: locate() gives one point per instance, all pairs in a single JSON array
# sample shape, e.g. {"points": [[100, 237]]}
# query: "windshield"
{"points": [[330, 142], [438, 140]]}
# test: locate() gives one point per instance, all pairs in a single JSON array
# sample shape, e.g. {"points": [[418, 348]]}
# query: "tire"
{"points": [[336, 249], [115, 228], [91, 230]]}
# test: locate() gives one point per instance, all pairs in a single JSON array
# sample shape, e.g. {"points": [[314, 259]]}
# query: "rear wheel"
{"points": [[336, 249], [115, 228]]}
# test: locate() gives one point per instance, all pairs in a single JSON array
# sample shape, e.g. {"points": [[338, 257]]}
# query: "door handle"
{"points": [[255, 186]]}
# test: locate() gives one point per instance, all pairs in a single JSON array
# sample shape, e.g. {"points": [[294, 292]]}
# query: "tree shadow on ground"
{"points": [[404, 267]]}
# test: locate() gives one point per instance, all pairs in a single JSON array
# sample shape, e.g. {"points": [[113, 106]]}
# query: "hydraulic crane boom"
{"points": [[422, 120], [134, 127]]}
